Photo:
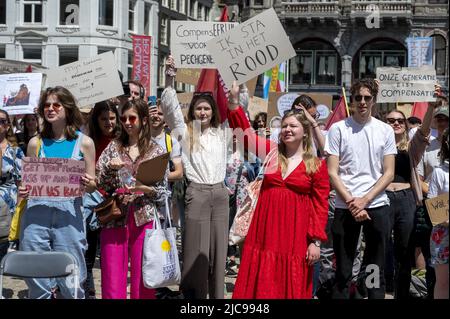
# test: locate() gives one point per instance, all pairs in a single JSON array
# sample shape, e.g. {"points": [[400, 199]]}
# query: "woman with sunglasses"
{"points": [[10, 167], [306, 104], [204, 157], [121, 241], [103, 128], [288, 224], [404, 192], [49, 223]]}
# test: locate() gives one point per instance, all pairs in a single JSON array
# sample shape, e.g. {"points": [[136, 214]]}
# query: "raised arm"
{"points": [[237, 119]]}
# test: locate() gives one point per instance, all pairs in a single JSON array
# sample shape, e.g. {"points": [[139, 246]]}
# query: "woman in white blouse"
{"points": [[204, 144]]}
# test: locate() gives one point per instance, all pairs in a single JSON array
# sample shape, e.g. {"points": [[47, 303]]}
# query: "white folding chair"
{"points": [[28, 264]]}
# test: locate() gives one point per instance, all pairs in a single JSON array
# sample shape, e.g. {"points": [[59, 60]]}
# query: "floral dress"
{"points": [[143, 206], [11, 175]]}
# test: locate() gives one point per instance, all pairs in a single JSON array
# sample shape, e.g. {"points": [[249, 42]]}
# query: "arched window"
{"points": [[375, 54], [440, 55], [317, 62]]}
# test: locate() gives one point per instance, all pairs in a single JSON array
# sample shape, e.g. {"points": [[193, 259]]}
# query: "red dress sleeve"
{"points": [[320, 188], [252, 142]]}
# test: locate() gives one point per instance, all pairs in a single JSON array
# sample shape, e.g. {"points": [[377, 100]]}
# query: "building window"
{"points": [[2, 12], [200, 12], [68, 55], [32, 53], [173, 5], [106, 12], [379, 54], [147, 20], [207, 14], [131, 15], [192, 6], [438, 2], [130, 64], [439, 54], [101, 50], [161, 79], [32, 11], [320, 64], [165, 3], [182, 6], [163, 29], [68, 12], [259, 2], [2, 51]]}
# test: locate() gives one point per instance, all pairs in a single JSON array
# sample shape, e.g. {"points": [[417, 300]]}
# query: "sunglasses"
{"points": [[367, 98], [3, 121], [200, 94], [132, 119], [392, 120], [56, 106]]}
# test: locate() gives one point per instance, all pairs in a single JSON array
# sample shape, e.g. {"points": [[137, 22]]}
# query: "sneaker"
{"points": [[231, 264], [229, 272]]}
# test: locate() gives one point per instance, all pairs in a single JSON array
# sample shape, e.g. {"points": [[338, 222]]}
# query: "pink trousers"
{"points": [[118, 245]]}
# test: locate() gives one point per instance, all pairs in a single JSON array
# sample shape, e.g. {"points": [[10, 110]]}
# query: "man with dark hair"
{"points": [[361, 158]]}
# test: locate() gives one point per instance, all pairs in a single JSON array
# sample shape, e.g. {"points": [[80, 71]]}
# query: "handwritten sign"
{"points": [[251, 48], [420, 51], [90, 81], [188, 76], [438, 209], [188, 42], [406, 84], [20, 92], [256, 105], [52, 177]]}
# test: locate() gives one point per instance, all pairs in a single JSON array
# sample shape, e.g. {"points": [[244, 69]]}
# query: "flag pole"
{"points": [[345, 101]]}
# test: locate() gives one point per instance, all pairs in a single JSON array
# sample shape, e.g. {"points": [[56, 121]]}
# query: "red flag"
{"points": [[419, 109], [29, 69], [211, 81], [339, 113]]}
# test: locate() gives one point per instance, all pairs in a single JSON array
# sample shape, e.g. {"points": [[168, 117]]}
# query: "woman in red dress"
{"points": [[288, 225]]}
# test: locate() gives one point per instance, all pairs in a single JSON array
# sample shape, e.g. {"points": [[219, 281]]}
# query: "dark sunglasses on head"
{"points": [[367, 98], [132, 119], [200, 94], [56, 106], [392, 120]]}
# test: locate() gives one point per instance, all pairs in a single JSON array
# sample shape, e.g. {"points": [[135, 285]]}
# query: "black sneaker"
{"points": [[229, 272]]}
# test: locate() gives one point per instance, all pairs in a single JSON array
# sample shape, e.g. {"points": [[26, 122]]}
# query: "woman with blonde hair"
{"points": [[288, 225]]}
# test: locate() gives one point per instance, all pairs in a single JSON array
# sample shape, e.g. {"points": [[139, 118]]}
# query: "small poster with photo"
{"points": [[20, 92]]}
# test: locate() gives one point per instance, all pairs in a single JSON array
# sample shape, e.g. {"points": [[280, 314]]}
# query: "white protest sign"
{"points": [[90, 81], [251, 48], [188, 42], [285, 102], [406, 84], [20, 92]]}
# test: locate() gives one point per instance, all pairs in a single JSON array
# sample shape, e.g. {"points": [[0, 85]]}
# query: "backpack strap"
{"points": [[168, 142]]}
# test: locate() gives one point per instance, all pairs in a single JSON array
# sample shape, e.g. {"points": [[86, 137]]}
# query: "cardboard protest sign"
{"points": [[90, 81], [406, 84], [52, 177], [188, 76], [280, 102], [438, 209], [256, 105], [420, 51], [188, 42], [20, 92], [251, 48]]}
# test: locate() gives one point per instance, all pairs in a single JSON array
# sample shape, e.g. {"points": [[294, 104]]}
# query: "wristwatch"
{"points": [[317, 243]]}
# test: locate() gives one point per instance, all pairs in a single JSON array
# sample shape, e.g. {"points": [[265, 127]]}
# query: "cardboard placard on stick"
{"points": [[406, 84], [52, 177], [437, 208], [188, 42], [188, 76], [20, 92], [90, 81], [256, 105], [251, 48]]}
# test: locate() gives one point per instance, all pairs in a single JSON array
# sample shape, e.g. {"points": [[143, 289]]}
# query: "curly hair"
{"points": [[370, 84]]}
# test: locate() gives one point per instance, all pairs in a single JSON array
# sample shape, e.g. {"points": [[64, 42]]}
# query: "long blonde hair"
{"points": [[404, 142], [310, 159]]}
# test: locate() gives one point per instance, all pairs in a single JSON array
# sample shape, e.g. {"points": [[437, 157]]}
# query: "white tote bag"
{"points": [[160, 265]]}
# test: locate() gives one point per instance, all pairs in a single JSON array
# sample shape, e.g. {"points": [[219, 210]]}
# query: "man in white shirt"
{"points": [[361, 159]]}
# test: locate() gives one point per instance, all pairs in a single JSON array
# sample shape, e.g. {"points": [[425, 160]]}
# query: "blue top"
{"points": [[58, 149]]}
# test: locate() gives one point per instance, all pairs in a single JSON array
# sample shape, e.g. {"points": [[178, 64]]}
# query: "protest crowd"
{"points": [[298, 209]]}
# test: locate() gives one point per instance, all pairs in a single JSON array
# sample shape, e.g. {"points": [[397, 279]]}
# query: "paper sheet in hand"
{"points": [[438, 209], [152, 171]]}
